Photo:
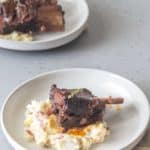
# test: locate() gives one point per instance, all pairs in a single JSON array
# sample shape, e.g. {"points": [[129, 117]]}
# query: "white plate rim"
{"points": [[132, 143], [84, 2]]}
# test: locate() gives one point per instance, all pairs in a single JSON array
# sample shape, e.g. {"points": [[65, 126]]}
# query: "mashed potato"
{"points": [[42, 128], [17, 36]]}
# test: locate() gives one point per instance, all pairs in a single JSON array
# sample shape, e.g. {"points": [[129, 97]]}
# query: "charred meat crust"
{"points": [[31, 16], [78, 107]]}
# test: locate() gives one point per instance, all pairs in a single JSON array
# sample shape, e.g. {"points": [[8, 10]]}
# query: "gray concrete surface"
{"points": [[117, 40]]}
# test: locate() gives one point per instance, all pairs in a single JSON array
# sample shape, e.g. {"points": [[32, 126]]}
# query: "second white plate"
{"points": [[76, 16], [127, 126]]}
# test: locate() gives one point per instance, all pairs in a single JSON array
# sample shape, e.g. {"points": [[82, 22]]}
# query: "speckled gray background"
{"points": [[117, 40]]}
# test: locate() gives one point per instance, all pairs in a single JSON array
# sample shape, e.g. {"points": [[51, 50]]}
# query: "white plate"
{"points": [[76, 16], [127, 126]]}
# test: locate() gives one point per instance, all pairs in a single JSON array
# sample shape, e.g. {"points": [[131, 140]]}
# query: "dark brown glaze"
{"points": [[31, 16], [78, 107]]}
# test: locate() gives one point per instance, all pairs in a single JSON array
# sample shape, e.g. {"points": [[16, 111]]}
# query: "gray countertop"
{"points": [[117, 39]]}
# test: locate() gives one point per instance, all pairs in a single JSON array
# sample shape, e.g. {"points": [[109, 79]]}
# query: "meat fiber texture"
{"points": [[31, 16], [78, 107]]}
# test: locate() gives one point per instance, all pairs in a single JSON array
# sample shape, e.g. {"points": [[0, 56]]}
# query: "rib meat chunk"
{"points": [[78, 107], [31, 16]]}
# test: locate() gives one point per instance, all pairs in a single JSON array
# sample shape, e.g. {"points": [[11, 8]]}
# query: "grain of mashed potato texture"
{"points": [[17, 36], [43, 129]]}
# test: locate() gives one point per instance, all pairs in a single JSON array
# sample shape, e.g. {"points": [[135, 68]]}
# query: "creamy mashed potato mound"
{"points": [[17, 36], [41, 127]]}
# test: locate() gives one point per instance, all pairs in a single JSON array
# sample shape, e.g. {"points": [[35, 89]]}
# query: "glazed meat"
{"points": [[31, 16], [50, 18], [78, 107]]}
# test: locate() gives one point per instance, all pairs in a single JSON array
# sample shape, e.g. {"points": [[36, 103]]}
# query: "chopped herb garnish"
{"points": [[73, 92]]}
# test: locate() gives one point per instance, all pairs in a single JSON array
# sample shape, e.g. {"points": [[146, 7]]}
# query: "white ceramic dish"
{"points": [[76, 16], [127, 126]]}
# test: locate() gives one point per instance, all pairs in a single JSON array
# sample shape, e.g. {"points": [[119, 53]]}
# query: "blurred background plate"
{"points": [[76, 16]]}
